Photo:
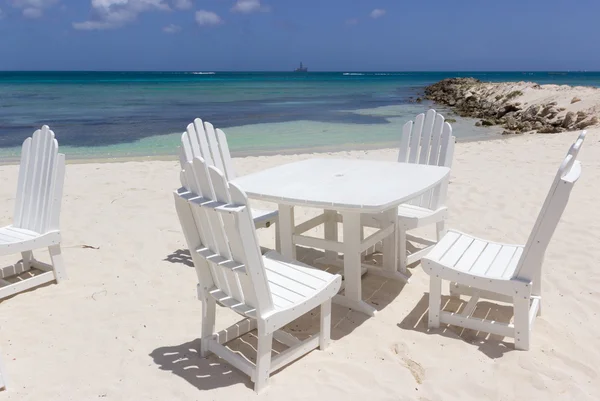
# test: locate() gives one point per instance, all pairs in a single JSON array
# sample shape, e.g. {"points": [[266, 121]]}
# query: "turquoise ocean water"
{"points": [[130, 114]]}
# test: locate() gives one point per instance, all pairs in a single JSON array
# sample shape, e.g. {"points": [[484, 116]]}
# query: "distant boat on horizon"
{"points": [[301, 68]]}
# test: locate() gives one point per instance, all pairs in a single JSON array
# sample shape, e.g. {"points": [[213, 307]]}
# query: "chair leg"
{"points": [[537, 290], [209, 309], [277, 244], [331, 232], [325, 333], [27, 257], [402, 257], [57, 263], [521, 322], [263, 361], [362, 237], [440, 229], [435, 302]]}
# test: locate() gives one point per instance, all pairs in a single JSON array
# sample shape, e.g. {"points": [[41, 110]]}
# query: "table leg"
{"points": [[390, 243], [352, 266], [390, 249], [286, 231], [331, 233]]}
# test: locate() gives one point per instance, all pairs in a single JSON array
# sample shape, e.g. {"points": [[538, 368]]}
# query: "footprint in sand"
{"points": [[414, 367]]}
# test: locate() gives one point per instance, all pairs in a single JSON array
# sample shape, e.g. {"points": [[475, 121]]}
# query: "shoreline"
{"points": [[274, 152]]}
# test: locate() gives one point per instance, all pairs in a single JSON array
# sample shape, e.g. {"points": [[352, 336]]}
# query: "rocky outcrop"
{"points": [[498, 104]]}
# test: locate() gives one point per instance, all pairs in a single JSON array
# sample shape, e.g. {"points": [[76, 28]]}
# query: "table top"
{"points": [[342, 184]]}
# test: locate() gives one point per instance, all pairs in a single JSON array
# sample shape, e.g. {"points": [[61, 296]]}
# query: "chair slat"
{"points": [[458, 249], [188, 139], [486, 259], [220, 241], [202, 142], [254, 260], [24, 167], [471, 255], [430, 120], [436, 135], [404, 142], [444, 245], [415, 139], [46, 185], [198, 214], [57, 192], [214, 226], [502, 259], [444, 160], [191, 233], [213, 145], [225, 155], [512, 265], [238, 288], [32, 178], [34, 213]]}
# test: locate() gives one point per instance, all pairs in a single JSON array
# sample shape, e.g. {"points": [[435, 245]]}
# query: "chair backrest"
{"points": [[201, 139], [530, 262], [428, 140], [221, 237], [40, 183]]}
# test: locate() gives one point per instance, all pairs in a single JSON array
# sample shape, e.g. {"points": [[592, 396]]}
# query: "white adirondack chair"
{"points": [[36, 217], [428, 141], [202, 139], [508, 273], [270, 291]]}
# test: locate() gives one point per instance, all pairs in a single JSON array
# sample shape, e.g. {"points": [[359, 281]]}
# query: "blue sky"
{"points": [[327, 35]]}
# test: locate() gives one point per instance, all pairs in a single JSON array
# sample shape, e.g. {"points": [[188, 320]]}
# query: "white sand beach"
{"points": [[125, 326]]}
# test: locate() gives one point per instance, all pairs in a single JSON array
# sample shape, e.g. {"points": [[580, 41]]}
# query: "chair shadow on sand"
{"points": [[207, 373], [180, 256], [491, 345]]}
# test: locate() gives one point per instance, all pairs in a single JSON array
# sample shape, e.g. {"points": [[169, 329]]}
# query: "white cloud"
{"points": [[172, 28], [108, 14], [352, 21], [33, 8], [182, 4], [377, 13], [32, 13], [248, 6], [204, 17]]}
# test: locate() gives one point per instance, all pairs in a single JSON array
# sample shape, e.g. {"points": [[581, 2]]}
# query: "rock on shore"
{"points": [[520, 106]]}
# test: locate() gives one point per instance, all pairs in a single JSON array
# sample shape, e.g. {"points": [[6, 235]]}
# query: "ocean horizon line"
{"points": [[310, 71]]}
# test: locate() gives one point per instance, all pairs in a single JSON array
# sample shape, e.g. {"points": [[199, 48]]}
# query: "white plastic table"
{"points": [[351, 188]]}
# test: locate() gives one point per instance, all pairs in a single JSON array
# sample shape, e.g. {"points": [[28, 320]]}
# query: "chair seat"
{"points": [[293, 285], [292, 282], [462, 258], [411, 216], [14, 240], [11, 235], [264, 218]]}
